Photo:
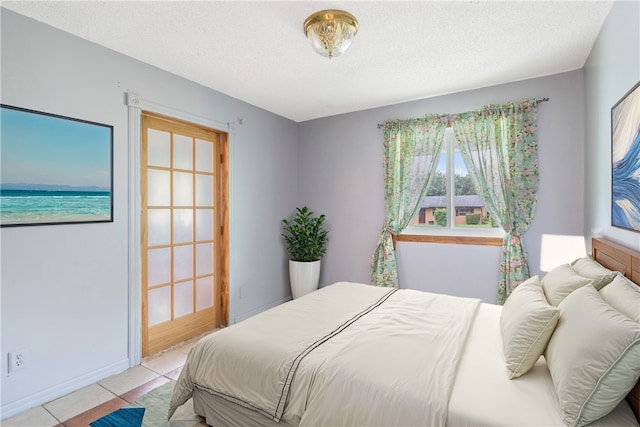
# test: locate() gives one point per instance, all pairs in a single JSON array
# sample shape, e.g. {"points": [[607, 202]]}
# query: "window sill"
{"points": [[453, 240]]}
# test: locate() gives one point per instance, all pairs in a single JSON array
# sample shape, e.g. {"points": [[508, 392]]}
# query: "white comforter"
{"points": [[347, 354], [399, 366]]}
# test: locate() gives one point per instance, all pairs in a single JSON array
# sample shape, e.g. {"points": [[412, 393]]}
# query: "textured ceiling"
{"points": [[257, 52]]}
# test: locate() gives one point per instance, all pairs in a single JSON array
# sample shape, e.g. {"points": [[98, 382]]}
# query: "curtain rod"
{"points": [[379, 126]]}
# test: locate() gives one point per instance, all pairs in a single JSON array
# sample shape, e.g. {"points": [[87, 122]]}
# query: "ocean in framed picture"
{"points": [[30, 205], [625, 157]]}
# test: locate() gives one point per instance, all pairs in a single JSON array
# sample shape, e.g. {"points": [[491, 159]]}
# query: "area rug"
{"points": [[123, 417], [155, 405]]}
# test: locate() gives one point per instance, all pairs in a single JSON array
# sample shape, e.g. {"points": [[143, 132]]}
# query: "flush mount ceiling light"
{"points": [[330, 31]]}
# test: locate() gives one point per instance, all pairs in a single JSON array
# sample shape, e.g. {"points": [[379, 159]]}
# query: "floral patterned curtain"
{"points": [[411, 152], [499, 146]]}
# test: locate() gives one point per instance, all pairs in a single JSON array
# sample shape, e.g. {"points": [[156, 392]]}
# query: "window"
{"points": [[464, 211], [452, 205]]}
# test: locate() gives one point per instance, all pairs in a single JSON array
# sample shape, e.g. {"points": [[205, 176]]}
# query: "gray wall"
{"points": [[611, 70], [341, 157], [64, 287]]}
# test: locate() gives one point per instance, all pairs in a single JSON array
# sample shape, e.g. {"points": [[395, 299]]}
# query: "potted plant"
{"points": [[306, 242]]}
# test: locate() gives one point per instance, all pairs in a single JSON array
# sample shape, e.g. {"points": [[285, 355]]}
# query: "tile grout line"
{"points": [[109, 391], [50, 413]]}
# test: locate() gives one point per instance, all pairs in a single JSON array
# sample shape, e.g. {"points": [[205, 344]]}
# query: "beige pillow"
{"points": [[593, 357], [527, 322], [623, 295], [560, 282], [588, 267]]}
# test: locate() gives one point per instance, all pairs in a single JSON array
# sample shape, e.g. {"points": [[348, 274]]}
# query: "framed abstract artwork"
{"points": [[625, 161], [54, 169]]}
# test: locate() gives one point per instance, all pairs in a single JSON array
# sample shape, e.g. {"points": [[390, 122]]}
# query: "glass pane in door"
{"points": [[158, 148], [204, 156], [204, 224], [204, 293], [182, 189], [183, 299], [159, 303], [182, 152], [182, 225], [182, 262], [159, 227]]}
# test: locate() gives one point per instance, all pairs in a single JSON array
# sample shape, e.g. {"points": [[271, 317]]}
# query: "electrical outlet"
{"points": [[17, 360], [241, 292]]}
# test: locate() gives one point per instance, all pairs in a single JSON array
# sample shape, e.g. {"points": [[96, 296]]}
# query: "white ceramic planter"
{"points": [[304, 277]]}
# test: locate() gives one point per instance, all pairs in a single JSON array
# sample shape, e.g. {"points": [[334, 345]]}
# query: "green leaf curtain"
{"points": [[411, 152], [498, 144]]}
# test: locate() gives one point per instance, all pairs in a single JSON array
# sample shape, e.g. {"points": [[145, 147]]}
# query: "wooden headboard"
{"points": [[627, 261], [617, 257]]}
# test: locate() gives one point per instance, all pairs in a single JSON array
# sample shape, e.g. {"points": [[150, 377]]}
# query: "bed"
{"points": [[354, 354]]}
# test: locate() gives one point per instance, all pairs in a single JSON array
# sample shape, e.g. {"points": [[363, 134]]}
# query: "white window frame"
{"points": [[450, 229]]}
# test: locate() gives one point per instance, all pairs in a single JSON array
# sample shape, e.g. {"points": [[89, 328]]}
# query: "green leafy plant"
{"points": [[304, 235], [472, 219], [441, 216]]}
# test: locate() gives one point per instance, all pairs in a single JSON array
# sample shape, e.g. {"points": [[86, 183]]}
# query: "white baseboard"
{"points": [[17, 406], [251, 313]]}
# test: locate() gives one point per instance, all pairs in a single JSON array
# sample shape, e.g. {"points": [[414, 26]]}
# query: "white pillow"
{"points": [[527, 322], [593, 357], [588, 267], [560, 282], [623, 295]]}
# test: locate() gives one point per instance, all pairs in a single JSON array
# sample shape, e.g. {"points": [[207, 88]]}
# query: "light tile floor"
{"points": [[97, 400]]}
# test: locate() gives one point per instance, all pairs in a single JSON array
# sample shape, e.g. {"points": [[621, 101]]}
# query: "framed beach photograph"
{"points": [[54, 169], [625, 161]]}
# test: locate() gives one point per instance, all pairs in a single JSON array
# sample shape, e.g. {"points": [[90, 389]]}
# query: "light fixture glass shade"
{"points": [[330, 31]]}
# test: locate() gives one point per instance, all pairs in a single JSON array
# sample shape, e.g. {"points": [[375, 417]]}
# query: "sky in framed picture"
{"points": [[625, 159], [54, 169]]}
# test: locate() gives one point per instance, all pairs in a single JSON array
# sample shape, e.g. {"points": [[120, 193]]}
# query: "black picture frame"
{"points": [[54, 169]]}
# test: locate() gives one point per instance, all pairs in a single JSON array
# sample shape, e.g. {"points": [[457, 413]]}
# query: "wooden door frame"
{"points": [[135, 106]]}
